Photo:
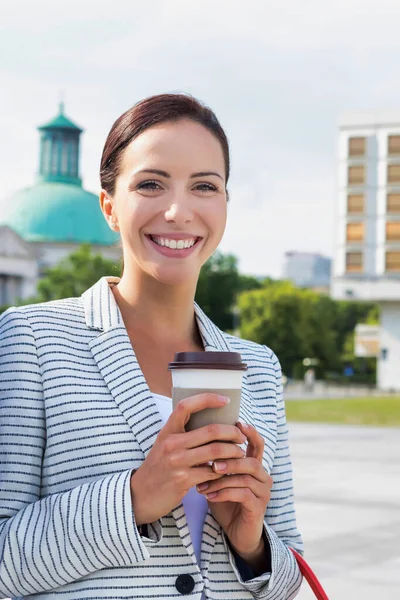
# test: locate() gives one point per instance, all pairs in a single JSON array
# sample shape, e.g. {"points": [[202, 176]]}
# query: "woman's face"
{"points": [[170, 201]]}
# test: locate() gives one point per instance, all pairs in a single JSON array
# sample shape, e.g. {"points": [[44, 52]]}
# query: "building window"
{"points": [[54, 156], [394, 144], [393, 231], [393, 262], [46, 158], [393, 174], [72, 158], [356, 175], [357, 146], [355, 203], [355, 232], [354, 262], [64, 158], [393, 203]]}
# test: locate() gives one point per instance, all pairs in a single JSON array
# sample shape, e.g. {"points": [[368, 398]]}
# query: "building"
{"points": [[308, 270], [367, 256], [44, 223]]}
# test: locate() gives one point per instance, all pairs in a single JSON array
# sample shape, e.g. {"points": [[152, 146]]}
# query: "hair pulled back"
{"points": [[147, 113]]}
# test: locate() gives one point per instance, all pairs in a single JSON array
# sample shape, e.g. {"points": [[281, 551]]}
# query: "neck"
{"points": [[164, 311]]}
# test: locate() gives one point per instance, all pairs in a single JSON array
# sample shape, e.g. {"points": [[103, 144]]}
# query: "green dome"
{"points": [[57, 212]]}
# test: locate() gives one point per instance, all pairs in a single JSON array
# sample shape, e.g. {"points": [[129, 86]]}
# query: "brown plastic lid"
{"points": [[225, 361]]}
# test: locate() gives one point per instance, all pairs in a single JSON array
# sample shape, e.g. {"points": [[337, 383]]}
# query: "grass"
{"points": [[379, 411]]}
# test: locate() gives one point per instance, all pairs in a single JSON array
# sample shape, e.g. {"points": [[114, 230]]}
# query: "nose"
{"points": [[179, 211]]}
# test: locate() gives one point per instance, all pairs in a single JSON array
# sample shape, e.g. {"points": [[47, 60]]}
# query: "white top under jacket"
{"points": [[76, 418]]}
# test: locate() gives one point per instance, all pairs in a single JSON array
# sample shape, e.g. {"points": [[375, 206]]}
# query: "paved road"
{"points": [[347, 490]]}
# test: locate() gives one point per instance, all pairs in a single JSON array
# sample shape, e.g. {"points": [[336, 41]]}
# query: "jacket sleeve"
{"points": [[46, 542], [284, 580]]}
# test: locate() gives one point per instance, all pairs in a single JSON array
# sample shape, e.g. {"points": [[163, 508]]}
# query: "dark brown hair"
{"points": [[145, 114]]}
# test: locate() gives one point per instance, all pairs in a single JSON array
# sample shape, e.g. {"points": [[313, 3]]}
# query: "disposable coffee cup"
{"points": [[213, 372]]}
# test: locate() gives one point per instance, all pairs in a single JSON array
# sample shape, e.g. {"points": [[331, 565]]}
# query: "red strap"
{"points": [[311, 577]]}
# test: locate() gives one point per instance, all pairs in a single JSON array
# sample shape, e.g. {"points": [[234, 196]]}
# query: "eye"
{"points": [[205, 187], [149, 185]]}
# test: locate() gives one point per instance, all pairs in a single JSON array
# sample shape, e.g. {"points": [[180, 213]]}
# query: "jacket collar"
{"points": [[102, 313]]}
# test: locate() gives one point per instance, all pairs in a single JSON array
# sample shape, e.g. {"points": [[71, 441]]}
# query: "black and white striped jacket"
{"points": [[76, 417]]}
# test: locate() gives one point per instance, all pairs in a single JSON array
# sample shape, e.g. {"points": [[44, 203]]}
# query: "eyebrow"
{"points": [[168, 176]]}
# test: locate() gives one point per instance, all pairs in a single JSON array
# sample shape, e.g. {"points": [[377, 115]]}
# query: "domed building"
{"points": [[42, 224]]}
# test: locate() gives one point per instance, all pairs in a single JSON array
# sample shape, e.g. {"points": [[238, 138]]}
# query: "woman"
{"points": [[103, 494]]}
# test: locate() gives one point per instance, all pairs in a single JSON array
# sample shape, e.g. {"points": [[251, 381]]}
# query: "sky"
{"points": [[278, 74]]}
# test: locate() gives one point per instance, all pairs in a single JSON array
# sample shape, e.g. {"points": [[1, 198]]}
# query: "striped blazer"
{"points": [[76, 417]]}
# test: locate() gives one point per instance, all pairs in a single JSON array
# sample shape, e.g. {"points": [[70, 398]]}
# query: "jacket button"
{"points": [[184, 584]]}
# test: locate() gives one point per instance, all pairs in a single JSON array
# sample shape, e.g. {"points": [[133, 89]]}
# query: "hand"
{"points": [[238, 500], [179, 460]]}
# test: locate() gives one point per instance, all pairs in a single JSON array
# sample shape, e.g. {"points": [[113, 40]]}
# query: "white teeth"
{"points": [[174, 244]]}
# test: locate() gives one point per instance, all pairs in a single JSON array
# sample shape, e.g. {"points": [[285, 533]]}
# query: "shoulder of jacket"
{"points": [[252, 349], [44, 309]]}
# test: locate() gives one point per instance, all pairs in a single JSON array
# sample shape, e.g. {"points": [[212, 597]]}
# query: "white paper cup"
{"points": [[213, 372]]}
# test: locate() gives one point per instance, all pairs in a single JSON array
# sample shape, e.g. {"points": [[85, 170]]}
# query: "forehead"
{"points": [[175, 145]]}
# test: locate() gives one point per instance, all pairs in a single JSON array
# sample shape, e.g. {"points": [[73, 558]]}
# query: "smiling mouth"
{"points": [[175, 244]]}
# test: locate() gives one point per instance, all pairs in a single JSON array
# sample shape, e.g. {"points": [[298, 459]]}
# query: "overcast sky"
{"points": [[277, 73]]}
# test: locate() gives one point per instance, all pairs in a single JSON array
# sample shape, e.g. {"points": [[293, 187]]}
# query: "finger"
{"points": [[260, 490], [212, 452], [243, 466], [255, 448], [200, 475], [186, 407], [212, 433], [242, 496]]}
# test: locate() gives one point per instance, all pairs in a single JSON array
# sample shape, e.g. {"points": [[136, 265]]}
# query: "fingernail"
{"points": [[220, 466], [212, 495], [202, 486], [224, 399], [245, 426]]}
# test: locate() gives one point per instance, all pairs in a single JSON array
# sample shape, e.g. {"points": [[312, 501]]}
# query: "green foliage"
{"points": [[298, 323], [75, 274], [218, 287]]}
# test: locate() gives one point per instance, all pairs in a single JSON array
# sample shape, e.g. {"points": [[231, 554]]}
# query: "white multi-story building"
{"points": [[367, 257]]}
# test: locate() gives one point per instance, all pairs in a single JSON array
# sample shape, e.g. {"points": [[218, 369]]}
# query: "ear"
{"points": [[107, 208]]}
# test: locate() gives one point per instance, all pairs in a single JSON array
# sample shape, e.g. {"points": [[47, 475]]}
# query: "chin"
{"points": [[175, 276]]}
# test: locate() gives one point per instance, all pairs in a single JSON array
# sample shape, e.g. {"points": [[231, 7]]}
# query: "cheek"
{"points": [[133, 215], [218, 218]]}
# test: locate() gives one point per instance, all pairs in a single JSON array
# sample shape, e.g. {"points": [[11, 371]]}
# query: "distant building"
{"points": [[308, 270], [367, 257], [44, 223]]}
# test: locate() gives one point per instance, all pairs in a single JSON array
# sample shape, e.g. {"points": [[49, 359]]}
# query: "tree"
{"points": [[217, 289], [275, 316], [298, 323], [75, 274], [219, 286]]}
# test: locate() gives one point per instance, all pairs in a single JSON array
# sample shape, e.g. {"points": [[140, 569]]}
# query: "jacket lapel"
{"points": [[118, 365]]}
